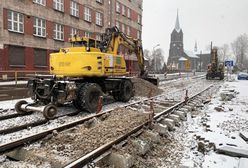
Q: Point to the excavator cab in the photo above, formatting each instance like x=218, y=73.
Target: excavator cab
x=84, y=42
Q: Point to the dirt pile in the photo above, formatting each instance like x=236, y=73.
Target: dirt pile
x=143, y=88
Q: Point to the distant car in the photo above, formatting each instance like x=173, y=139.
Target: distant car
x=243, y=76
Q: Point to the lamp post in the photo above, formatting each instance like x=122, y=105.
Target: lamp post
x=155, y=62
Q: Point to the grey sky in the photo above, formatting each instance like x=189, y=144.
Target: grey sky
x=220, y=21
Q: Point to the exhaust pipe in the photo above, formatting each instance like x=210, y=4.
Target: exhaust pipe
x=49, y=111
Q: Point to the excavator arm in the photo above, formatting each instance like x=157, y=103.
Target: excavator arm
x=113, y=39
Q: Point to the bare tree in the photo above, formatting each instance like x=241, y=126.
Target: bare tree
x=147, y=54
x=240, y=50
x=155, y=59
x=222, y=52
x=208, y=47
x=158, y=59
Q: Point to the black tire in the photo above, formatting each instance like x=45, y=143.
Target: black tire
x=76, y=104
x=50, y=111
x=222, y=76
x=126, y=91
x=88, y=96
x=18, y=106
x=116, y=96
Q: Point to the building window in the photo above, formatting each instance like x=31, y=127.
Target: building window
x=117, y=24
x=87, y=14
x=139, y=19
x=41, y=2
x=128, y=12
x=74, y=9
x=74, y=31
x=39, y=27
x=40, y=58
x=87, y=34
x=118, y=7
x=99, y=1
x=58, y=5
x=15, y=22
x=59, y=32
x=123, y=10
x=99, y=17
x=16, y=56
x=123, y=28
x=128, y=31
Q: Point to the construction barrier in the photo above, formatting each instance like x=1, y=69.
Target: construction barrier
x=19, y=75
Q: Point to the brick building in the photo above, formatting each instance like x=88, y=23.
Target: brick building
x=32, y=29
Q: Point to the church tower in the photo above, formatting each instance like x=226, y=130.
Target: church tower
x=176, y=44
x=196, y=48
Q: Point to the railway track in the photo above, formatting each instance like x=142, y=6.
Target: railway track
x=9, y=116
x=84, y=160
x=21, y=126
x=31, y=138
x=92, y=157
x=32, y=124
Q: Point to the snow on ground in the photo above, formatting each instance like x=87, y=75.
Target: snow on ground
x=218, y=125
x=174, y=90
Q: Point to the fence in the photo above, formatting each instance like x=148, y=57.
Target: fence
x=18, y=75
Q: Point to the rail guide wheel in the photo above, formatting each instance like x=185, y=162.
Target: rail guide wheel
x=50, y=111
x=18, y=108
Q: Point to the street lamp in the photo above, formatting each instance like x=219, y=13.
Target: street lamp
x=155, y=62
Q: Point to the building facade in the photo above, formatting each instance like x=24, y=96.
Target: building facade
x=180, y=59
x=32, y=29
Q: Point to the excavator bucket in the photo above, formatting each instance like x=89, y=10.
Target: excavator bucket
x=153, y=80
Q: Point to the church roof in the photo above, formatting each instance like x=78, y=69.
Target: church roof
x=177, y=26
x=182, y=59
x=190, y=54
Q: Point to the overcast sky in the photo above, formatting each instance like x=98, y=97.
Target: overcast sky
x=220, y=21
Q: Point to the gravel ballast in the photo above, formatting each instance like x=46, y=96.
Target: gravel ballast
x=69, y=145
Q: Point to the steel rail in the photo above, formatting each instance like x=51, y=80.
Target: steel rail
x=8, y=146
x=32, y=124
x=32, y=138
x=83, y=161
x=5, y=117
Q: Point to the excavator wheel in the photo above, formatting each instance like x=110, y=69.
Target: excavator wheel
x=76, y=104
x=126, y=91
x=88, y=96
x=50, y=111
x=18, y=107
x=221, y=76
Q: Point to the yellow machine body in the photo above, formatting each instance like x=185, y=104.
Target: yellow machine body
x=84, y=59
x=77, y=62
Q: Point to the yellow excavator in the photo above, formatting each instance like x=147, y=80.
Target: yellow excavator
x=85, y=71
x=215, y=69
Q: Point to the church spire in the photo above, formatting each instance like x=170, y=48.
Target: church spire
x=195, y=49
x=177, y=26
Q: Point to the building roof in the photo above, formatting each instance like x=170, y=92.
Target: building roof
x=190, y=54
x=182, y=59
x=177, y=26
